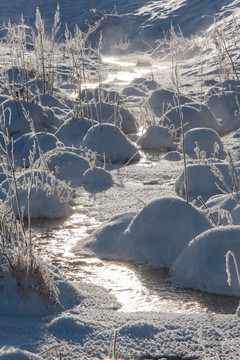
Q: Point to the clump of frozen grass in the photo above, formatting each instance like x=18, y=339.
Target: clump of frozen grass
x=20, y=261
x=18, y=257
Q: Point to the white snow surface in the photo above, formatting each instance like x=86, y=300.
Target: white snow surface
x=143, y=218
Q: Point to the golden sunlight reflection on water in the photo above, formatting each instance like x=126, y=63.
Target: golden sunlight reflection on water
x=121, y=71
x=136, y=287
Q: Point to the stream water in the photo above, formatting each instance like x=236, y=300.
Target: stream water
x=136, y=286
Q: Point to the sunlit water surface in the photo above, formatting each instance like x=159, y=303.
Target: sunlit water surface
x=137, y=287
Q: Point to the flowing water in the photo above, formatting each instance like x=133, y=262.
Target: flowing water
x=136, y=286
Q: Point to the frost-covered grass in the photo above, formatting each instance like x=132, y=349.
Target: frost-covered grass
x=63, y=136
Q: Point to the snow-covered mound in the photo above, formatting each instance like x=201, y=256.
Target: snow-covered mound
x=225, y=106
x=97, y=178
x=194, y=116
x=173, y=156
x=202, y=264
x=160, y=231
x=48, y=196
x=112, y=113
x=73, y=130
x=162, y=100
x=157, y=137
x=225, y=208
x=34, y=145
x=156, y=235
x=109, y=141
x=14, y=303
x=204, y=143
x=16, y=117
x=67, y=166
x=204, y=180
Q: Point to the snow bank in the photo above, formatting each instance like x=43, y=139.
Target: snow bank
x=202, y=264
x=112, y=142
x=11, y=353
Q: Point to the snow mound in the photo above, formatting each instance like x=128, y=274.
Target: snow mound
x=139, y=330
x=30, y=143
x=111, y=113
x=173, y=156
x=160, y=101
x=67, y=166
x=16, y=120
x=202, y=264
x=49, y=197
x=204, y=143
x=73, y=131
x=112, y=142
x=98, y=178
x=224, y=208
x=156, y=235
x=194, y=116
x=203, y=181
x=108, y=240
x=157, y=137
x=14, y=303
x=160, y=231
x=70, y=328
x=224, y=106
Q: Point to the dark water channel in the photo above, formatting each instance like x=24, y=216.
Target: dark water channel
x=137, y=287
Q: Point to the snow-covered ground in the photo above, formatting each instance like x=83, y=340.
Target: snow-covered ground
x=99, y=129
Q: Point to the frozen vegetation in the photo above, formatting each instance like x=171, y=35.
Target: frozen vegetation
x=130, y=113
